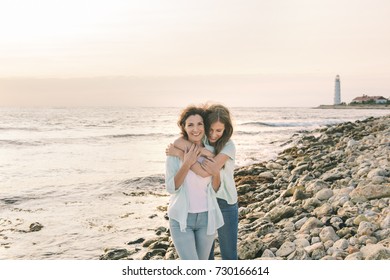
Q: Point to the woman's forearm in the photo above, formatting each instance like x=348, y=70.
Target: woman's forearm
x=198, y=170
x=219, y=160
x=181, y=175
x=183, y=144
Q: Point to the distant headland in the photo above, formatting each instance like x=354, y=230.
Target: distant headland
x=361, y=102
x=355, y=106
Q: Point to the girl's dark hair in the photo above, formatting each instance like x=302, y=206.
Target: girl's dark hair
x=187, y=112
x=219, y=113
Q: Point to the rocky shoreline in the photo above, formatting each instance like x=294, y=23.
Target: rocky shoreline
x=325, y=198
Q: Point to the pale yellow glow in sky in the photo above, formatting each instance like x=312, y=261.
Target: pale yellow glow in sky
x=232, y=51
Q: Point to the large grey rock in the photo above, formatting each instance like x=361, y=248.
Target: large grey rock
x=301, y=242
x=324, y=210
x=354, y=256
x=370, y=191
x=316, y=246
x=280, y=212
x=324, y=194
x=310, y=224
x=299, y=254
x=375, y=252
x=328, y=233
x=385, y=222
x=115, y=254
x=378, y=172
x=286, y=249
x=317, y=185
x=366, y=228
x=36, y=227
x=268, y=254
x=152, y=254
x=341, y=244
x=249, y=248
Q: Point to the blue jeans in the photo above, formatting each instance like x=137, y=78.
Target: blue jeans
x=228, y=233
x=194, y=243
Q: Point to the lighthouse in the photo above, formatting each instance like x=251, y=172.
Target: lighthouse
x=337, y=96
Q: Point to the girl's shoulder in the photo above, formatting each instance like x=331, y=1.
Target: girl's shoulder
x=230, y=143
x=229, y=149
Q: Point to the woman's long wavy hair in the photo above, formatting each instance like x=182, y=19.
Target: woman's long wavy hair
x=218, y=112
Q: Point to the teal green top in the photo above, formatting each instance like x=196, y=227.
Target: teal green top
x=227, y=190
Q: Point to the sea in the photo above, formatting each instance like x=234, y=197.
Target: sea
x=76, y=182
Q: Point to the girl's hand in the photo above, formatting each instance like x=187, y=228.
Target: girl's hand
x=211, y=166
x=168, y=150
x=172, y=151
x=207, y=153
x=191, y=155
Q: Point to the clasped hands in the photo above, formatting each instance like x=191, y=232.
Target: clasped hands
x=190, y=157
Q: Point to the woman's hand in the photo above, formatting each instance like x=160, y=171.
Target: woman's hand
x=191, y=155
x=211, y=166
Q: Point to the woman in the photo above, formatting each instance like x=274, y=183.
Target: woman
x=194, y=215
x=219, y=131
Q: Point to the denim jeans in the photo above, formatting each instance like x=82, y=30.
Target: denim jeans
x=227, y=234
x=194, y=243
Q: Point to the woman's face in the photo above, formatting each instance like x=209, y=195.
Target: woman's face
x=194, y=127
x=216, y=131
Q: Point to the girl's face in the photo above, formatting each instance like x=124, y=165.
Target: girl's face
x=216, y=131
x=194, y=127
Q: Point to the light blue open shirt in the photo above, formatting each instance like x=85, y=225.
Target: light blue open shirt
x=179, y=202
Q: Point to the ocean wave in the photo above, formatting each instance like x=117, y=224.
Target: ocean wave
x=292, y=124
x=257, y=124
x=267, y=132
x=130, y=135
x=20, y=143
x=80, y=140
x=20, y=128
x=148, y=181
x=15, y=200
x=247, y=132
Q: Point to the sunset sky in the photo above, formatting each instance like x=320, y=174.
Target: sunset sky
x=175, y=52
